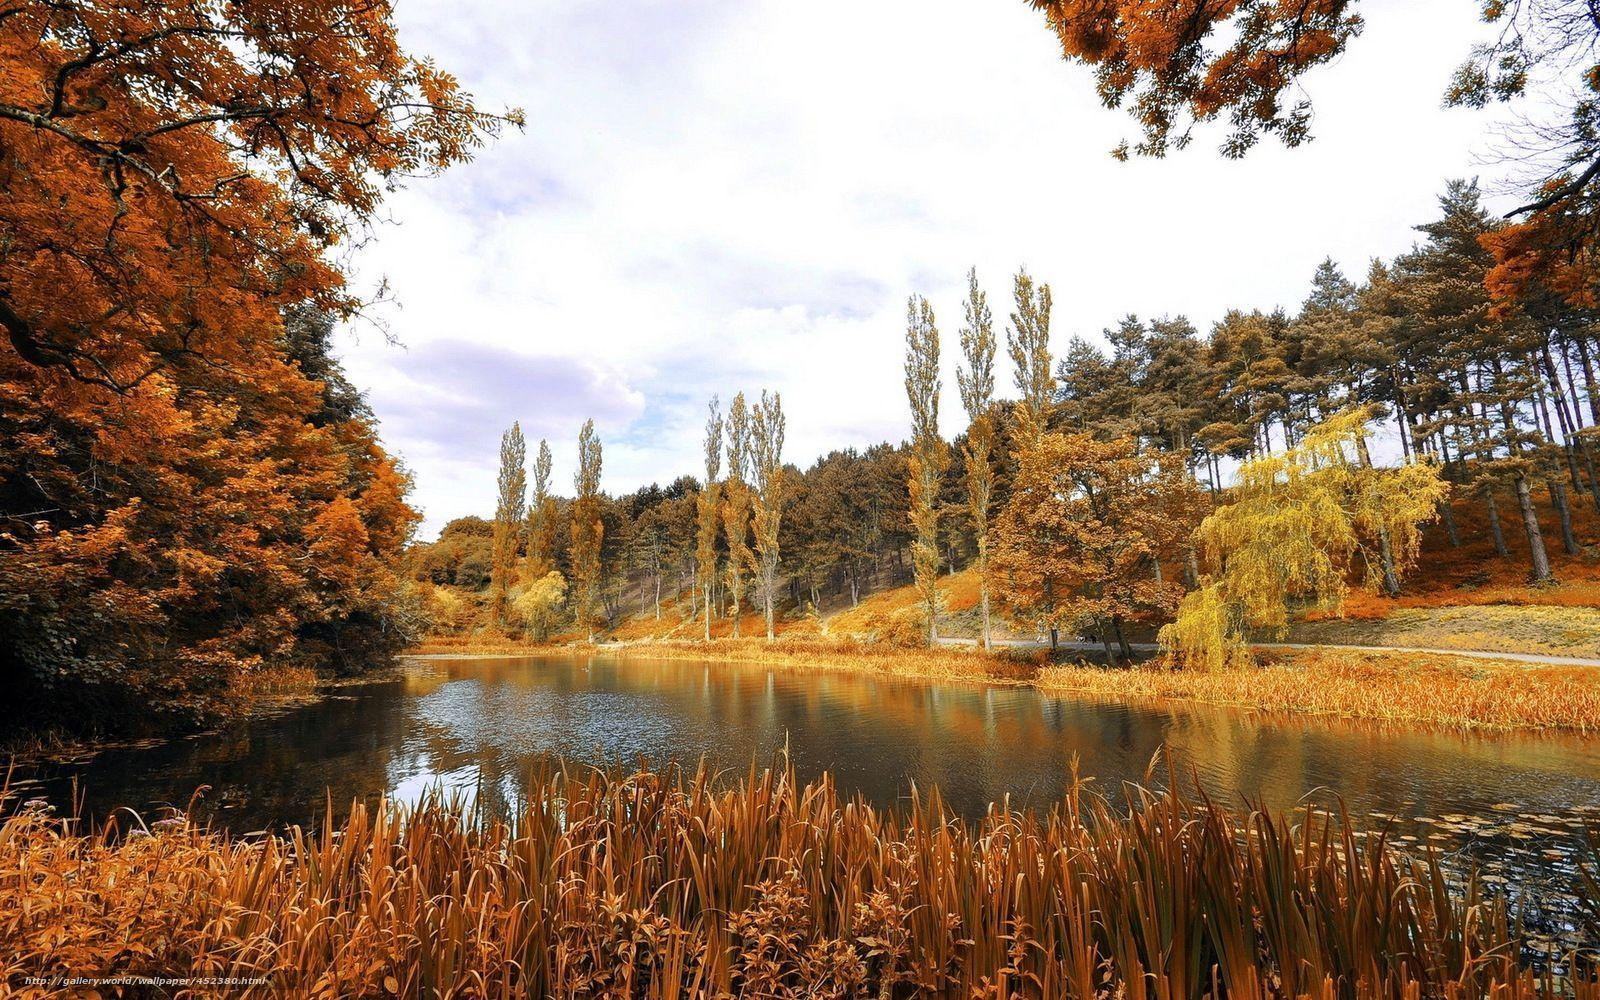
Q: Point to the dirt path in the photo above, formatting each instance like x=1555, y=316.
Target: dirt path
x=1146, y=647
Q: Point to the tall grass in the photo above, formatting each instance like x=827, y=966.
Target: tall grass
x=670, y=884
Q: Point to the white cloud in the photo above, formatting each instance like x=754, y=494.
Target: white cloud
x=715, y=196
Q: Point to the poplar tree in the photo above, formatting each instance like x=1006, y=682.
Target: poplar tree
x=541, y=517
x=736, y=505
x=706, y=537
x=766, y=437
x=508, y=512
x=588, y=531
x=928, y=455
x=976, y=382
x=1028, y=343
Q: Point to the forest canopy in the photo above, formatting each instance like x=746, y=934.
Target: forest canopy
x=189, y=488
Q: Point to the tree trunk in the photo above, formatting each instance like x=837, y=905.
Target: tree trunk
x=1391, y=580
x=1589, y=387
x=1105, y=643
x=1558, y=500
x=1495, y=530
x=1122, y=640
x=1539, y=559
x=1050, y=606
x=708, y=611
x=1448, y=516
x=983, y=588
x=768, y=579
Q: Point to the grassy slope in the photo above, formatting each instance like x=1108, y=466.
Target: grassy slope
x=1469, y=598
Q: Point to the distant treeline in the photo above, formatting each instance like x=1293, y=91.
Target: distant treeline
x=1502, y=396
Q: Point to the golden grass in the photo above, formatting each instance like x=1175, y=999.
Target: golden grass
x=667, y=885
x=1505, y=628
x=1432, y=689
x=276, y=680
x=1424, y=688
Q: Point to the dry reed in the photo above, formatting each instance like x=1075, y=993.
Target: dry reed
x=675, y=885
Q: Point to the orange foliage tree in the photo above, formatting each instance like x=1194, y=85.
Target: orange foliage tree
x=189, y=488
x=1079, y=545
x=1189, y=62
x=1155, y=58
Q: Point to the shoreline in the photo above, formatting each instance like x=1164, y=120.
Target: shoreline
x=1423, y=688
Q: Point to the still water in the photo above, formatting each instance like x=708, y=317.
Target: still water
x=1511, y=804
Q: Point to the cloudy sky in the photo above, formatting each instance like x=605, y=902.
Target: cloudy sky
x=740, y=194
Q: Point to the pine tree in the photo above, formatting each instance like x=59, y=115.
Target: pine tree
x=508, y=513
x=976, y=382
x=1477, y=363
x=928, y=454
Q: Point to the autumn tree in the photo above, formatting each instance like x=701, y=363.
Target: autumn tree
x=706, y=538
x=1175, y=67
x=766, y=441
x=588, y=532
x=1079, y=544
x=508, y=514
x=542, y=514
x=976, y=382
x=206, y=158
x=1300, y=523
x=928, y=454
x=1028, y=344
x=736, y=506
x=1156, y=60
x=539, y=603
x=182, y=457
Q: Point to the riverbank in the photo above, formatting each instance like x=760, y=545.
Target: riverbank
x=1421, y=688
x=268, y=692
x=768, y=888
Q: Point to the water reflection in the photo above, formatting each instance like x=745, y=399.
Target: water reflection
x=477, y=725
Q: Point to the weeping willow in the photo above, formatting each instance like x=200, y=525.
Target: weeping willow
x=1303, y=523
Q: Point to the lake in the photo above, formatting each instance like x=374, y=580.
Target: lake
x=1513, y=804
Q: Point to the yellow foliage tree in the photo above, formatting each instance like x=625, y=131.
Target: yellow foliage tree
x=1301, y=523
x=537, y=605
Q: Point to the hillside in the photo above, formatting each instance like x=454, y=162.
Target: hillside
x=1456, y=597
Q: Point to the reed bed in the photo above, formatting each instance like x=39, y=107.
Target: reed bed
x=673, y=884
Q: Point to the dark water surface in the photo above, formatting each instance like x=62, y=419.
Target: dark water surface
x=1513, y=804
